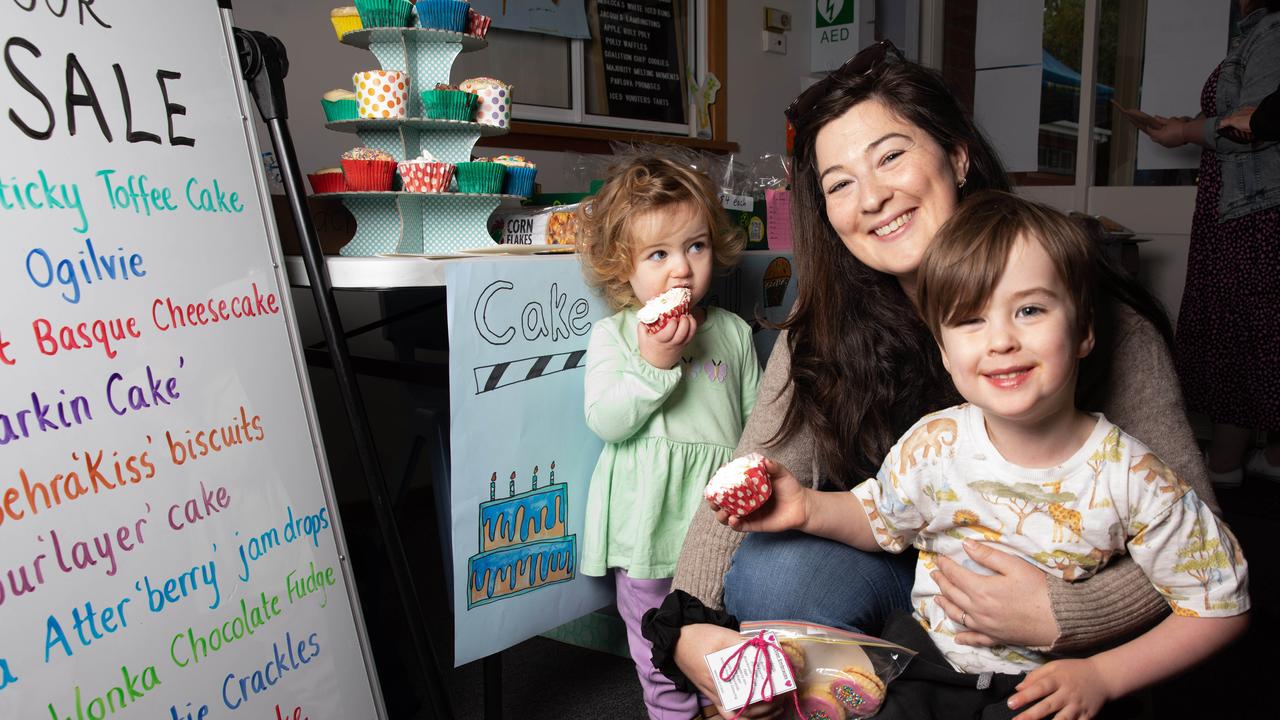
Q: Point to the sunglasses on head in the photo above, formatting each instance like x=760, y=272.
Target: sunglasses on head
x=866, y=60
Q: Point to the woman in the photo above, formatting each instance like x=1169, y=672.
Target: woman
x=883, y=153
x=1227, y=328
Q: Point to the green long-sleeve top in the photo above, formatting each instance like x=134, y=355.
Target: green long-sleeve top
x=665, y=431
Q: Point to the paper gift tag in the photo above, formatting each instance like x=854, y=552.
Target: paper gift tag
x=735, y=691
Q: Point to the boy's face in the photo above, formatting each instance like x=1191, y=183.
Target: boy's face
x=1016, y=359
x=671, y=248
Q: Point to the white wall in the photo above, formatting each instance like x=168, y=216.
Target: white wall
x=762, y=84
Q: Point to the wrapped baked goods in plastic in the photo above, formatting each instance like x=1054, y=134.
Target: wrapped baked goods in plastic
x=831, y=674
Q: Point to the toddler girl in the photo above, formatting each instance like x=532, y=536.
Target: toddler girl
x=669, y=404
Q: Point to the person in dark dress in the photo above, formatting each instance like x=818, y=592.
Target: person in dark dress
x=1228, y=329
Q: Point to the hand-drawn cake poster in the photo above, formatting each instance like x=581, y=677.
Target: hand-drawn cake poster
x=522, y=455
x=167, y=541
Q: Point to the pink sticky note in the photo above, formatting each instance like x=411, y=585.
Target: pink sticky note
x=778, y=204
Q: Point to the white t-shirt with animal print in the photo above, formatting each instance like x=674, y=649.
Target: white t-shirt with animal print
x=944, y=482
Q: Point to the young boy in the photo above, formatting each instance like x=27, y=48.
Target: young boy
x=1007, y=289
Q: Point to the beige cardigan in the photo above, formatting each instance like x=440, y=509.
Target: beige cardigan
x=1097, y=612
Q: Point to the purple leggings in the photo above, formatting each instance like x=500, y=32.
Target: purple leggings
x=661, y=698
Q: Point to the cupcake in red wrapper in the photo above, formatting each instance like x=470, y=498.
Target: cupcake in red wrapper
x=425, y=174
x=328, y=180
x=741, y=486
x=477, y=24
x=664, y=308
x=367, y=169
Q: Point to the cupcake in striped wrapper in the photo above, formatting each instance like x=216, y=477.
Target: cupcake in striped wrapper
x=367, y=169
x=520, y=174
x=425, y=174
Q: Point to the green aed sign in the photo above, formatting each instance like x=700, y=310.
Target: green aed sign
x=833, y=12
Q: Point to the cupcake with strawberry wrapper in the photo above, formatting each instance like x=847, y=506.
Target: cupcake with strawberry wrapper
x=520, y=174
x=425, y=174
x=367, y=169
x=741, y=486
x=664, y=308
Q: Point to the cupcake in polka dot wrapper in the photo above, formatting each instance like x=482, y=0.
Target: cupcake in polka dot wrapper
x=382, y=93
x=741, y=486
x=425, y=174
x=385, y=13
x=495, y=100
x=478, y=24
x=367, y=169
x=481, y=175
x=519, y=176
x=448, y=15
x=664, y=308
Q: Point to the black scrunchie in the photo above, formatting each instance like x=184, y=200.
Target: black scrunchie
x=661, y=627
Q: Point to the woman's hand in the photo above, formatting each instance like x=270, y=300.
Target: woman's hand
x=698, y=641
x=1237, y=124
x=1167, y=131
x=786, y=509
x=662, y=349
x=1009, y=607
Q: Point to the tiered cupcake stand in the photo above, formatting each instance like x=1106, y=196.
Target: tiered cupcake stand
x=414, y=222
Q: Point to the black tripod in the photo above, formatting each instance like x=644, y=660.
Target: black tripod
x=264, y=64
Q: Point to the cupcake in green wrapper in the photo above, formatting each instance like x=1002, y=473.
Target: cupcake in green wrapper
x=480, y=176
x=385, y=13
x=447, y=102
x=340, y=105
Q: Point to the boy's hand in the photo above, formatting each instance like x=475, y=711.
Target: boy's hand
x=662, y=349
x=786, y=509
x=1071, y=690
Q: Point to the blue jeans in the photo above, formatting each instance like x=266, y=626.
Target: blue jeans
x=794, y=576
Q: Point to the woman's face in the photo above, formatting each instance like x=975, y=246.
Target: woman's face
x=888, y=187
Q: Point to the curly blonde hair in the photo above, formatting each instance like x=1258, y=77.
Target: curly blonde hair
x=633, y=188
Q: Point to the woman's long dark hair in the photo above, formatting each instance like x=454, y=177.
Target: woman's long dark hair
x=863, y=364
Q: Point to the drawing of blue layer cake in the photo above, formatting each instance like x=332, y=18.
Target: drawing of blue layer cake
x=523, y=545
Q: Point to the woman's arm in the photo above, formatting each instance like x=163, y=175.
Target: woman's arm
x=1260, y=75
x=708, y=545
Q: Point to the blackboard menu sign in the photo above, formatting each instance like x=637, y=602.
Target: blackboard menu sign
x=639, y=43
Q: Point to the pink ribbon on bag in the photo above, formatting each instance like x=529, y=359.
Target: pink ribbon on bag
x=761, y=646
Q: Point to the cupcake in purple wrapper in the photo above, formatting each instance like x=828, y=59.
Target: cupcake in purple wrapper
x=519, y=176
x=448, y=15
x=481, y=175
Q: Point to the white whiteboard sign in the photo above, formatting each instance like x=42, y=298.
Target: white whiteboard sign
x=168, y=548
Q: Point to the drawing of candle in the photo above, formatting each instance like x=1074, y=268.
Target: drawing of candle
x=493, y=481
x=535, y=477
x=511, y=489
x=552, y=481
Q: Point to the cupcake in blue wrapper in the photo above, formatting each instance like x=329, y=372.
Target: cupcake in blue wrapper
x=340, y=105
x=520, y=174
x=443, y=14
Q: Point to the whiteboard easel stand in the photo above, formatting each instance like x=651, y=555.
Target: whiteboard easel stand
x=264, y=64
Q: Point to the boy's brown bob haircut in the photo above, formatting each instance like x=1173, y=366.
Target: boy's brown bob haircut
x=962, y=266
x=635, y=187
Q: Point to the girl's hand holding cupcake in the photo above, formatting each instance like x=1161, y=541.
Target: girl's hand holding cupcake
x=662, y=349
